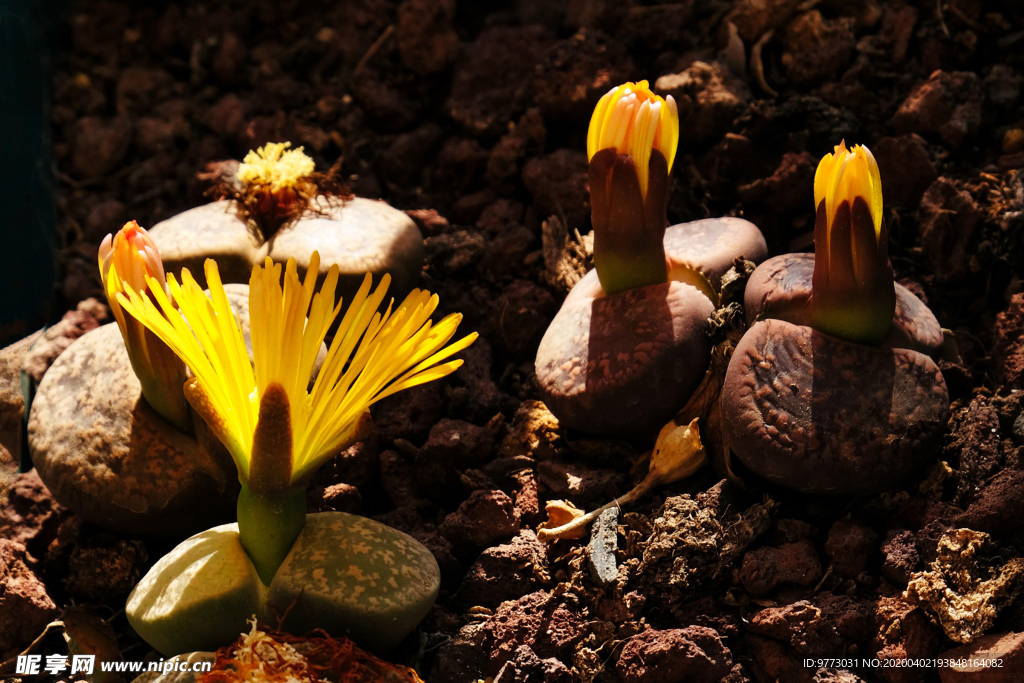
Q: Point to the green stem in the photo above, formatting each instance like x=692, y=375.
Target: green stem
x=620, y=270
x=268, y=524
x=161, y=374
x=168, y=400
x=629, y=228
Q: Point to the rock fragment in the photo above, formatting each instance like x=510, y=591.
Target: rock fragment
x=505, y=572
x=948, y=104
x=694, y=654
x=965, y=588
x=601, y=550
x=484, y=518
x=995, y=658
x=25, y=607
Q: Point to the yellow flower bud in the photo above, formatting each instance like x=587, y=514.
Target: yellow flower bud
x=631, y=146
x=130, y=261
x=634, y=121
x=853, y=292
x=134, y=256
x=846, y=175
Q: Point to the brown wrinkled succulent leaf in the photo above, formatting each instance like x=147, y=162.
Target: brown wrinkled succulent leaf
x=781, y=288
x=814, y=413
x=623, y=364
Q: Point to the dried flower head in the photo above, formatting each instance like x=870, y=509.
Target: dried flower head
x=273, y=185
x=275, y=167
x=266, y=656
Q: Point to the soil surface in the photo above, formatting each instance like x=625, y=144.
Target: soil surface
x=474, y=121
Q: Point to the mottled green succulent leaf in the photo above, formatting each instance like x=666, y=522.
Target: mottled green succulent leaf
x=357, y=578
x=345, y=574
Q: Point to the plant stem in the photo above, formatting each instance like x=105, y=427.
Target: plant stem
x=161, y=374
x=168, y=401
x=629, y=228
x=561, y=531
x=268, y=524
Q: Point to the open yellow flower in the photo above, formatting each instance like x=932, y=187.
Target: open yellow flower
x=372, y=356
x=130, y=260
x=631, y=146
x=276, y=428
x=854, y=297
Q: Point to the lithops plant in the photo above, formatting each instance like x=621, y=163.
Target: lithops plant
x=349, y=575
x=832, y=389
x=110, y=432
x=630, y=344
x=275, y=204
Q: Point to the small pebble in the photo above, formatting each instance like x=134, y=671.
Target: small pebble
x=603, y=541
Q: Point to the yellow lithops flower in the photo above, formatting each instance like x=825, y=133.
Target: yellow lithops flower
x=853, y=293
x=277, y=429
x=846, y=175
x=631, y=146
x=130, y=261
x=634, y=121
x=372, y=356
x=275, y=166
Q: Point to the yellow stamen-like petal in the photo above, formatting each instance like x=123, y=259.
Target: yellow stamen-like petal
x=373, y=355
x=668, y=131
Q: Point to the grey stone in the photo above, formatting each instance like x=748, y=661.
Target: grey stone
x=601, y=551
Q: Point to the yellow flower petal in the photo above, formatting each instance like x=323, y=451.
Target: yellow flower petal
x=846, y=175
x=633, y=120
x=373, y=354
